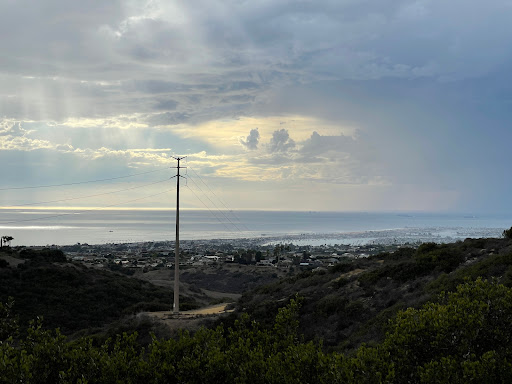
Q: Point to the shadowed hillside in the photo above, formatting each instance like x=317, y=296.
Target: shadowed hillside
x=71, y=296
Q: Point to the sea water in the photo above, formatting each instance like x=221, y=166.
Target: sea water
x=60, y=227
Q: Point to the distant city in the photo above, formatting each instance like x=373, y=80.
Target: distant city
x=157, y=255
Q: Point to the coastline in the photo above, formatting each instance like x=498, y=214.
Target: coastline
x=39, y=228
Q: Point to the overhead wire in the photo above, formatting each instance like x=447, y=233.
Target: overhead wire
x=233, y=224
x=81, y=182
x=80, y=211
x=206, y=206
x=88, y=196
x=219, y=220
x=87, y=210
x=218, y=198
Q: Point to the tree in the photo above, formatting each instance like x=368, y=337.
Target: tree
x=5, y=240
x=507, y=233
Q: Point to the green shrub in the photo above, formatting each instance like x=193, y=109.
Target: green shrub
x=342, y=268
x=45, y=254
x=464, y=338
x=438, y=257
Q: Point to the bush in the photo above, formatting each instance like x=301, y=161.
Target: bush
x=45, y=254
x=342, y=268
x=441, y=257
x=464, y=338
x=245, y=353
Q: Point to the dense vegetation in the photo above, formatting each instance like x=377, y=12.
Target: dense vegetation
x=438, y=313
x=352, y=302
x=466, y=336
x=73, y=297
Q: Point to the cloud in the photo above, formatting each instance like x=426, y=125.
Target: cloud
x=280, y=141
x=166, y=118
x=251, y=142
x=13, y=129
x=134, y=157
x=13, y=137
x=225, y=59
x=318, y=144
x=166, y=105
x=226, y=133
x=337, y=91
x=65, y=148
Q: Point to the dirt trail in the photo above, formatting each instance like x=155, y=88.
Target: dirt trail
x=210, y=310
x=213, y=309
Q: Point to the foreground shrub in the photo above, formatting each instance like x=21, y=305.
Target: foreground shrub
x=465, y=337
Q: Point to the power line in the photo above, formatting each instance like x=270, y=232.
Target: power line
x=233, y=224
x=95, y=195
x=81, y=182
x=220, y=221
x=87, y=210
x=218, y=198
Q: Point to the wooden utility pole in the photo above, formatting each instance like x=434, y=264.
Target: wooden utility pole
x=176, y=304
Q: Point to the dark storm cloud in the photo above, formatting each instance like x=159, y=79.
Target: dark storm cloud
x=230, y=53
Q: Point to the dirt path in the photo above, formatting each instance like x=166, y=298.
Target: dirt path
x=210, y=310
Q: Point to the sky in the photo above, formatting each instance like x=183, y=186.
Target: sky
x=341, y=105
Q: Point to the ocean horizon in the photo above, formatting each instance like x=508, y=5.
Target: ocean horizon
x=39, y=227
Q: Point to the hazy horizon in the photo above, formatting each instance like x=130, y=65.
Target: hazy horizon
x=206, y=209
x=40, y=227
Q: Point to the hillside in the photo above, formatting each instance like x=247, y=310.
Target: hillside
x=456, y=328
x=352, y=302
x=73, y=297
x=343, y=306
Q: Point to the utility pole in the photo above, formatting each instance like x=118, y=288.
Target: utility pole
x=176, y=304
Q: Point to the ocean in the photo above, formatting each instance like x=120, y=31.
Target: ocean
x=62, y=227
